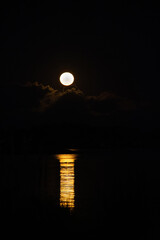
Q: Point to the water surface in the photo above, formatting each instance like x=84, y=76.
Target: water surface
x=112, y=192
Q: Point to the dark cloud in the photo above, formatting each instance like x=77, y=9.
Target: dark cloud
x=21, y=103
x=47, y=95
x=21, y=97
x=107, y=103
x=61, y=100
x=18, y=103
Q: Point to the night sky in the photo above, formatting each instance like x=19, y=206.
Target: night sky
x=111, y=48
x=108, y=46
x=105, y=127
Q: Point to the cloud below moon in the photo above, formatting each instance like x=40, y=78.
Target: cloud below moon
x=21, y=102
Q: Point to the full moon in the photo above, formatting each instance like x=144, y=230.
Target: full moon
x=66, y=78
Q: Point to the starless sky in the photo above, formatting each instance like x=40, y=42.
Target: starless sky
x=108, y=46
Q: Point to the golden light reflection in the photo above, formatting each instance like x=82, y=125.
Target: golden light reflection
x=67, y=179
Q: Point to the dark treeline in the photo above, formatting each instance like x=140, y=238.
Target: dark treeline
x=52, y=139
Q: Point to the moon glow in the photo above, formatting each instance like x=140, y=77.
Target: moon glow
x=66, y=78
